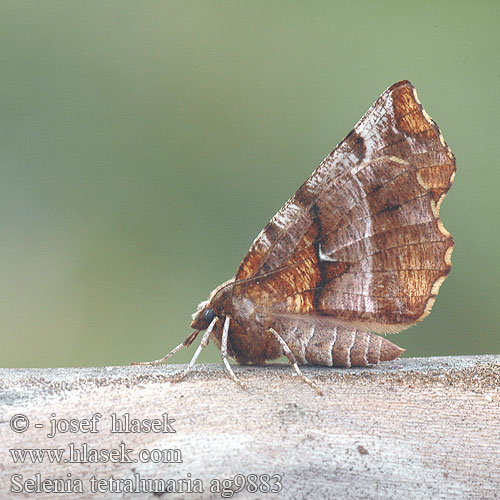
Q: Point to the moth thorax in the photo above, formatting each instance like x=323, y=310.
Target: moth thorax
x=243, y=309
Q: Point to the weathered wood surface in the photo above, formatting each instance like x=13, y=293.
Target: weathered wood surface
x=411, y=428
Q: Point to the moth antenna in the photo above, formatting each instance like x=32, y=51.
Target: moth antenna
x=203, y=343
x=223, y=351
x=189, y=340
x=289, y=354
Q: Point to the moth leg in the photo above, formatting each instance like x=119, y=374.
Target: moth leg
x=203, y=343
x=289, y=354
x=186, y=343
x=223, y=351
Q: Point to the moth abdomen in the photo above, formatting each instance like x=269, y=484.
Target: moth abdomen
x=345, y=347
x=369, y=349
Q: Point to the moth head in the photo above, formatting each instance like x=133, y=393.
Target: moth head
x=205, y=313
x=203, y=316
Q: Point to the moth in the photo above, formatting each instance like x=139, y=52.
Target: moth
x=359, y=250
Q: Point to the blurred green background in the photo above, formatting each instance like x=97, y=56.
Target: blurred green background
x=145, y=144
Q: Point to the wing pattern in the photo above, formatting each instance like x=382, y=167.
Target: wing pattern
x=361, y=241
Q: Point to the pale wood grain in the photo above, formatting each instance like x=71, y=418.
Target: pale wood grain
x=411, y=428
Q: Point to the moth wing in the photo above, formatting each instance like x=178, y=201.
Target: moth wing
x=361, y=240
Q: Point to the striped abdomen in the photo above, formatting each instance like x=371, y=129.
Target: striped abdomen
x=318, y=344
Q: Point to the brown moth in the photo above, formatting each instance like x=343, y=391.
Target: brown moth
x=358, y=250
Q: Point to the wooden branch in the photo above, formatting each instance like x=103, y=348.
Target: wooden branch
x=411, y=428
